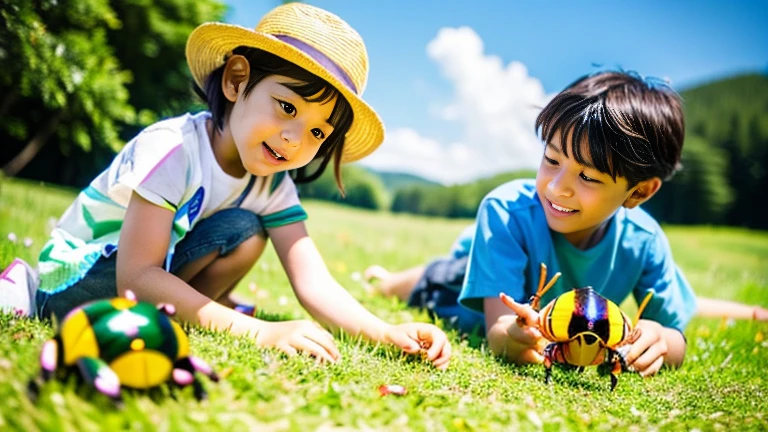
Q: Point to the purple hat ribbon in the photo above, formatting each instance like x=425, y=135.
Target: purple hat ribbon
x=321, y=58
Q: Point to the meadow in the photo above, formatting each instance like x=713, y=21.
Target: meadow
x=722, y=384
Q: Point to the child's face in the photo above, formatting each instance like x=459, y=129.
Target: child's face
x=275, y=129
x=576, y=198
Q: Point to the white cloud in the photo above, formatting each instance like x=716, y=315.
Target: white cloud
x=495, y=105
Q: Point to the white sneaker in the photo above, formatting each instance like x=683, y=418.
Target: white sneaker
x=18, y=286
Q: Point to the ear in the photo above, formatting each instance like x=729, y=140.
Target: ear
x=236, y=72
x=642, y=192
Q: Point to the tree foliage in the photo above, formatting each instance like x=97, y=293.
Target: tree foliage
x=87, y=74
x=60, y=76
x=456, y=201
x=725, y=157
x=363, y=188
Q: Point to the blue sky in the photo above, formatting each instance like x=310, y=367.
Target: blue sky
x=456, y=83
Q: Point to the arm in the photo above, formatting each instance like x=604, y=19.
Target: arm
x=329, y=303
x=708, y=307
x=144, y=240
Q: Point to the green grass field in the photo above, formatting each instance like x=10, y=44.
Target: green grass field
x=722, y=384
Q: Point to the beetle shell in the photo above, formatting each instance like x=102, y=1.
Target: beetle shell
x=584, y=315
x=138, y=342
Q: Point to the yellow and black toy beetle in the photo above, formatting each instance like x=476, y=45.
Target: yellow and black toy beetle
x=122, y=342
x=584, y=328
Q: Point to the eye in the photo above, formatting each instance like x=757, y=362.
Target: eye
x=287, y=107
x=550, y=160
x=588, y=179
x=318, y=133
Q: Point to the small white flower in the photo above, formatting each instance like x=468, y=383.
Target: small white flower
x=27, y=242
x=12, y=237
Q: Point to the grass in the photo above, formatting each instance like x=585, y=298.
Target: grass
x=722, y=384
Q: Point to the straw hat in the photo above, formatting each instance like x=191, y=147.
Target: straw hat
x=310, y=37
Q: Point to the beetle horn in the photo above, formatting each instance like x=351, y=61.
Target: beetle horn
x=642, y=307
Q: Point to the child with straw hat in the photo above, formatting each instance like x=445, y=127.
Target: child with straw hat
x=186, y=208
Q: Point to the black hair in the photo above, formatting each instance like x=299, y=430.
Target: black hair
x=310, y=87
x=634, y=127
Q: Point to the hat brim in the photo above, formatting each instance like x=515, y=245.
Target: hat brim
x=210, y=43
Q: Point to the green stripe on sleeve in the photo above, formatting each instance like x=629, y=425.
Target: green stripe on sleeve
x=277, y=178
x=284, y=217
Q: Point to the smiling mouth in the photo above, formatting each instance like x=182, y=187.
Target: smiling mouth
x=561, y=208
x=277, y=155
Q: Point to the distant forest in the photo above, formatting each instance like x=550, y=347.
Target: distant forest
x=81, y=77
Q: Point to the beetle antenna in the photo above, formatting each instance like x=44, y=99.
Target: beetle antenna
x=550, y=284
x=542, y=278
x=642, y=307
x=543, y=288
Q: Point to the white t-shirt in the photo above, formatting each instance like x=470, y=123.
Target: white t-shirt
x=170, y=164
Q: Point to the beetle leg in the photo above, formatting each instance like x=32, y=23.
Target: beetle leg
x=49, y=359
x=167, y=309
x=615, y=374
x=97, y=373
x=550, y=356
x=547, y=370
x=49, y=362
x=184, y=374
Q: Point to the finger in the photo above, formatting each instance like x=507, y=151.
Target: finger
x=530, y=356
x=524, y=335
x=444, y=359
x=650, y=356
x=525, y=312
x=286, y=348
x=325, y=340
x=637, y=349
x=435, y=338
x=406, y=342
x=653, y=368
x=311, y=347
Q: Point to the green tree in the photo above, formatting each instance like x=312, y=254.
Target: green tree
x=363, y=188
x=59, y=76
x=150, y=44
x=700, y=193
x=89, y=74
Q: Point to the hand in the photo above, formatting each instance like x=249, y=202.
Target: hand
x=760, y=314
x=648, y=352
x=524, y=344
x=299, y=336
x=518, y=335
x=416, y=337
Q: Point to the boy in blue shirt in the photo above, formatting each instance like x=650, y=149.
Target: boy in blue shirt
x=611, y=139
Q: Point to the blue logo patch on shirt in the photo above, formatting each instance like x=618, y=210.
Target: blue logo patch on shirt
x=191, y=209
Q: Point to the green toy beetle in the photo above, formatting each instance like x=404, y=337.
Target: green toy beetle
x=122, y=342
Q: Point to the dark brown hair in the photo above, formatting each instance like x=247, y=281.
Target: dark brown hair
x=634, y=127
x=310, y=87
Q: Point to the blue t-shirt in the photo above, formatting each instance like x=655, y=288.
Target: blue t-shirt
x=512, y=239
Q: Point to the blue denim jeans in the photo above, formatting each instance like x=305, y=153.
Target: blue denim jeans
x=438, y=292
x=223, y=231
